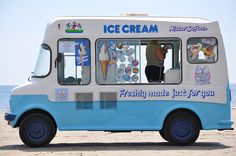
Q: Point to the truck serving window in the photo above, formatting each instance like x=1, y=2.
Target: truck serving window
x=73, y=61
x=125, y=61
x=202, y=50
x=43, y=64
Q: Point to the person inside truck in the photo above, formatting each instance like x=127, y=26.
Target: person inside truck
x=155, y=56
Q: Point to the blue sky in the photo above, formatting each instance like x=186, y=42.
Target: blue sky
x=22, y=25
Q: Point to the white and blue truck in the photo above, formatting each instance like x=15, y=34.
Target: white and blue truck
x=90, y=75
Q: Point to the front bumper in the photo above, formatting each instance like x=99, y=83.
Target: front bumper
x=9, y=117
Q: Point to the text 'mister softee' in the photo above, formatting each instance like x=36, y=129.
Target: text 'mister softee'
x=152, y=28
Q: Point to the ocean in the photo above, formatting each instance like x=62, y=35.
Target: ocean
x=5, y=92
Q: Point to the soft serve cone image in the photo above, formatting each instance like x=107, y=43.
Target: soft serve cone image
x=104, y=60
x=82, y=53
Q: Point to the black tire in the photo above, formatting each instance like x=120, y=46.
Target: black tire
x=162, y=134
x=181, y=128
x=37, y=130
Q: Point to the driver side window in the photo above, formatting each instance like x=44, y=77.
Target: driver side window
x=73, y=61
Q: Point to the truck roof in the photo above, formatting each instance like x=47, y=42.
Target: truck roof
x=137, y=18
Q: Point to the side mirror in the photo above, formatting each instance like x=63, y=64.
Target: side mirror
x=29, y=78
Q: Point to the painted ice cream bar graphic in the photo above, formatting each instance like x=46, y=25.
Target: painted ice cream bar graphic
x=74, y=27
x=104, y=59
x=82, y=53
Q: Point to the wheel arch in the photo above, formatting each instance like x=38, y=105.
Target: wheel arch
x=32, y=111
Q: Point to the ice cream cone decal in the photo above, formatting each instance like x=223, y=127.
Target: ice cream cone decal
x=104, y=68
x=82, y=53
x=104, y=60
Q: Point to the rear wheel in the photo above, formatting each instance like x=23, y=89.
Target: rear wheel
x=181, y=128
x=37, y=130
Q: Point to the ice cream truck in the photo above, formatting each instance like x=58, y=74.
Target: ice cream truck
x=90, y=76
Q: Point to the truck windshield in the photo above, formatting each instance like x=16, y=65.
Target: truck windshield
x=42, y=67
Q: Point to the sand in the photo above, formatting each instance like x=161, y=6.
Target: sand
x=209, y=143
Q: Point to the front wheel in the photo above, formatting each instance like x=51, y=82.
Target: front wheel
x=37, y=130
x=181, y=128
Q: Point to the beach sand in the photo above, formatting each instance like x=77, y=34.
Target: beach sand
x=209, y=143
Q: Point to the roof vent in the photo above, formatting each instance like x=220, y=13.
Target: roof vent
x=140, y=15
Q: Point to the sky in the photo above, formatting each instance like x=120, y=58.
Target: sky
x=23, y=22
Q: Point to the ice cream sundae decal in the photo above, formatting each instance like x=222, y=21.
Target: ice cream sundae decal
x=202, y=50
x=74, y=28
x=202, y=75
x=104, y=59
x=82, y=53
